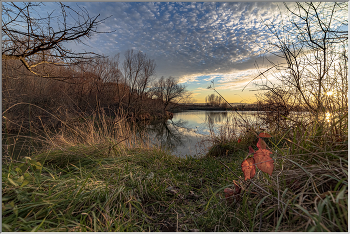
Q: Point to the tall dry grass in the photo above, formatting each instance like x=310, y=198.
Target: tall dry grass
x=308, y=189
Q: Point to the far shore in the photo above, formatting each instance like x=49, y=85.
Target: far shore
x=233, y=107
x=241, y=107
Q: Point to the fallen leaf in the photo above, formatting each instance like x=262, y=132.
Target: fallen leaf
x=261, y=144
x=263, y=134
x=12, y=182
x=25, y=182
x=239, y=140
x=229, y=193
x=263, y=160
x=248, y=168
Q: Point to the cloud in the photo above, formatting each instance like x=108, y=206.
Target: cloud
x=200, y=89
x=195, y=94
x=209, y=32
x=191, y=41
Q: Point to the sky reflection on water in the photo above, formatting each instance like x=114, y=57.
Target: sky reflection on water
x=188, y=133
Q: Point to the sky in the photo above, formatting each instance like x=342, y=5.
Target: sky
x=196, y=42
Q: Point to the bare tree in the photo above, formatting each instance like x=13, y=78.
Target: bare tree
x=313, y=48
x=214, y=100
x=138, y=71
x=168, y=90
x=103, y=78
x=38, y=40
x=188, y=98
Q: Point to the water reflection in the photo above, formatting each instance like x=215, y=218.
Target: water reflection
x=188, y=132
x=176, y=137
x=165, y=135
x=215, y=116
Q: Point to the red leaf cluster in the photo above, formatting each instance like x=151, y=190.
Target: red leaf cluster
x=261, y=159
x=261, y=144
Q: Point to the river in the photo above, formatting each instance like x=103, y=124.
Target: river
x=189, y=133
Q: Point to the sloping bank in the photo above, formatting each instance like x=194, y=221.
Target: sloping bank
x=108, y=187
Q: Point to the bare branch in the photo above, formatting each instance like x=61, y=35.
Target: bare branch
x=26, y=35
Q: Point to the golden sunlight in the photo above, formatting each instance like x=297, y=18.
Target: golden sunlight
x=328, y=116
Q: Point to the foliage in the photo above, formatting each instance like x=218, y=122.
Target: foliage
x=261, y=159
x=293, y=171
x=89, y=188
x=96, y=174
x=32, y=102
x=80, y=176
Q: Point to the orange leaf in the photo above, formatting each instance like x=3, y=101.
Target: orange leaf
x=261, y=144
x=248, y=168
x=264, y=135
x=228, y=192
x=263, y=160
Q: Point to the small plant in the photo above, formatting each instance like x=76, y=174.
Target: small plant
x=261, y=159
x=22, y=177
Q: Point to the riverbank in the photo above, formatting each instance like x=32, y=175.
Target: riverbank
x=184, y=107
x=105, y=186
x=180, y=108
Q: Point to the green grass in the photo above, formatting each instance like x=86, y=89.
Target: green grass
x=89, y=188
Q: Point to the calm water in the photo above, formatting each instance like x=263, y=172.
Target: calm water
x=188, y=133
